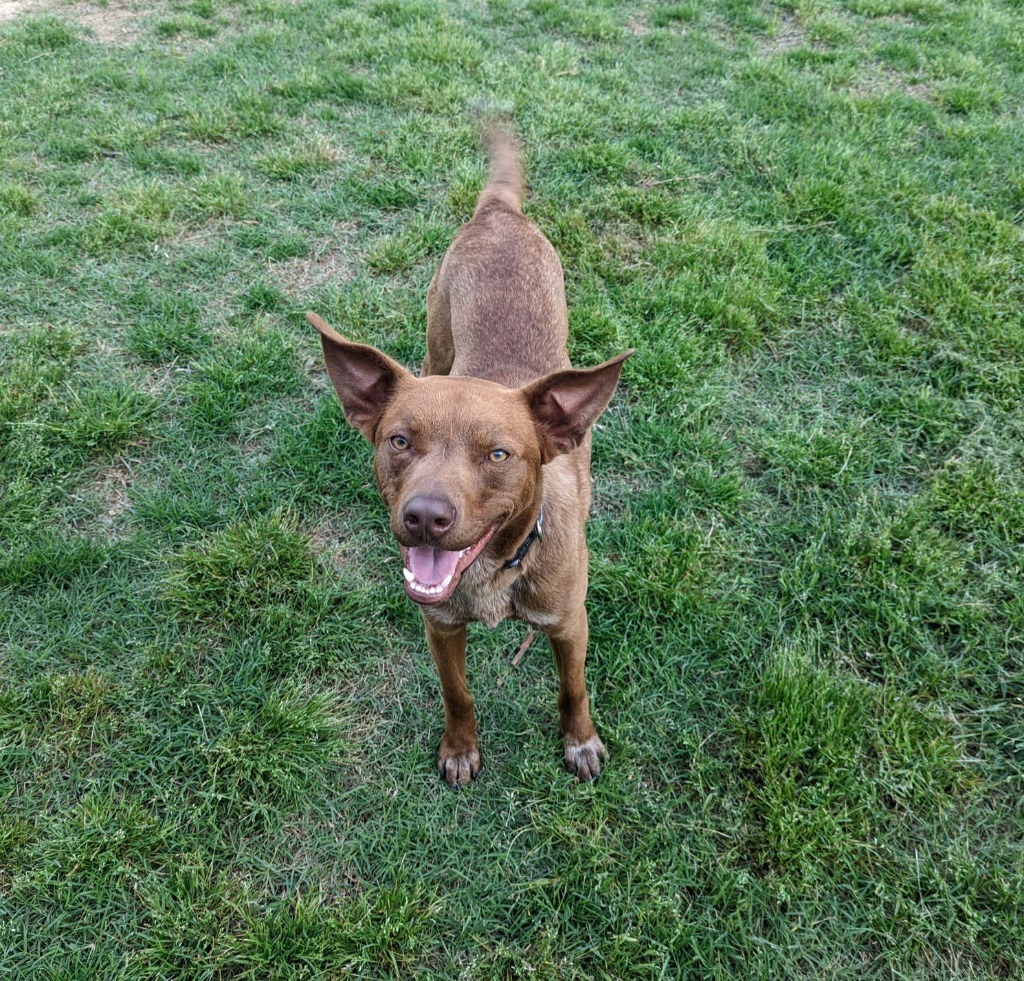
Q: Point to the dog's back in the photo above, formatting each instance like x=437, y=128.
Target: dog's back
x=496, y=305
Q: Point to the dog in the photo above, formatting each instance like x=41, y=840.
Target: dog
x=484, y=460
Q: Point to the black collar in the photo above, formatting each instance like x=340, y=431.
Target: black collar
x=513, y=563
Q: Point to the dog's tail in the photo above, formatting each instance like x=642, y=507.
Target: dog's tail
x=506, y=184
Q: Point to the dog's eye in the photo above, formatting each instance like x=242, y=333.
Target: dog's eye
x=398, y=442
x=498, y=456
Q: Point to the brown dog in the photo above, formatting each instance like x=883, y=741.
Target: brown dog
x=485, y=454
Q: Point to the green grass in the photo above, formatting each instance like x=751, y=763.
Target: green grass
x=218, y=719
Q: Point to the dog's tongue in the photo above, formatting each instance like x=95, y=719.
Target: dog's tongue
x=431, y=565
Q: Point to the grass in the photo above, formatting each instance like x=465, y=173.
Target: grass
x=218, y=721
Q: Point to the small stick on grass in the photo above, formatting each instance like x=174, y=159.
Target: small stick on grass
x=522, y=648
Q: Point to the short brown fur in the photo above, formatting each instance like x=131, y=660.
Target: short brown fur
x=496, y=380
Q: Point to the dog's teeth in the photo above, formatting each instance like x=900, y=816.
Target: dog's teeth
x=422, y=588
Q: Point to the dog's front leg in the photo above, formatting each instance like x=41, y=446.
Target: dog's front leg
x=584, y=751
x=458, y=761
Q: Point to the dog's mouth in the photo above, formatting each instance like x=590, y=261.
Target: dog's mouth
x=431, y=574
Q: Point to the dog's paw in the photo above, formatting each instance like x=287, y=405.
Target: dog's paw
x=458, y=766
x=585, y=759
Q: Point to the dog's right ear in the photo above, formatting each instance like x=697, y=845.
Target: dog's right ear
x=364, y=378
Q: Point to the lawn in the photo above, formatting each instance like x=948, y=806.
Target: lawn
x=218, y=718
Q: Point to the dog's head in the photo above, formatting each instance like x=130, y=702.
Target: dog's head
x=457, y=459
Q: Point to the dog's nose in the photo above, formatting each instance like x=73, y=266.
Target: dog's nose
x=428, y=518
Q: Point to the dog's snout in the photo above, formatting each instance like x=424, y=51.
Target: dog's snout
x=428, y=518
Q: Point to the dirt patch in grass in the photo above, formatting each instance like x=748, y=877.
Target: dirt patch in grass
x=295, y=275
x=214, y=230
x=335, y=263
x=788, y=36
x=882, y=80
x=333, y=543
x=108, y=492
x=115, y=22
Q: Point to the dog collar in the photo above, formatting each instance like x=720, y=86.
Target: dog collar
x=514, y=562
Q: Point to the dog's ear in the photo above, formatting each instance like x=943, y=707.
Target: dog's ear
x=364, y=378
x=567, y=403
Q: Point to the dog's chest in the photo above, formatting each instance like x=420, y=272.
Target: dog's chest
x=488, y=595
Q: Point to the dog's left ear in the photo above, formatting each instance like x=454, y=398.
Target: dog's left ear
x=567, y=403
x=364, y=378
